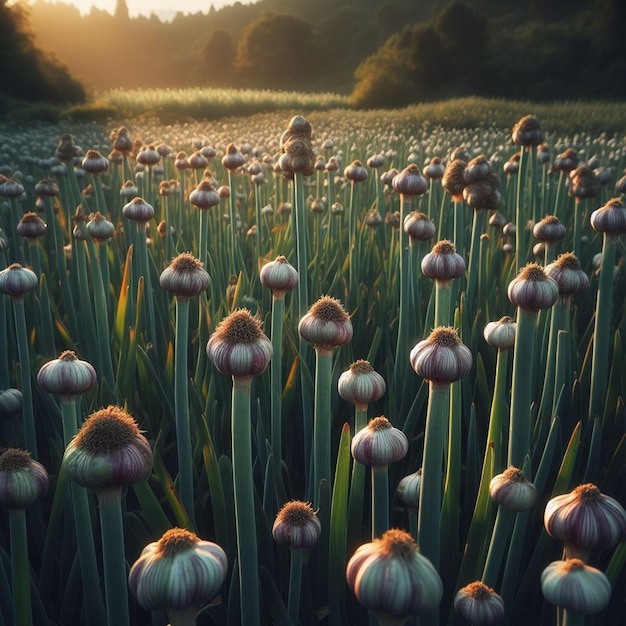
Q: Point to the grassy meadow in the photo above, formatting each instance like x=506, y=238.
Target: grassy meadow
x=405, y=325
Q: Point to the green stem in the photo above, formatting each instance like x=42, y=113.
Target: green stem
x=142, y=246
x=443, y=299
x=521, y=392
x=181, y=404
x=113, y=562
x=602, y=328
x=30, y=437
x=182, y=618
x=22, y=609
x=357, y=485
x=520, y=216
x=478, y=225
x=278, y=312
x=429, y=512
x=497, y=547
x=322, y=419
x=380, y=501
x=247, y=557
x=572, y=619
x=295, y=582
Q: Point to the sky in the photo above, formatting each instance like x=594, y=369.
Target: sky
x=163, y=8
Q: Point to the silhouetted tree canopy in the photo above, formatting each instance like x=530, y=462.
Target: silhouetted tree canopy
x=277, y=51
x=218, y=56
x=27, y=74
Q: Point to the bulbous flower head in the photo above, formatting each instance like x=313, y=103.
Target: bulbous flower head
x=532, y=289
x=16, y=281
x=443, y=263
x=238, y=347
x=22, y=479
x=527, y=132
x=360, y=384
x=479, y=604
x=568, y=274
x=31, y=227
x=67, y=376
x=379, y=444
x=204, y=195
x=512, y=491
x=185, y=277
x=233, y=159
x=178, y=572
x=435, y=169
x=610, y=219
x=410, y=182
x=408, y=489
x=583, y=183
x=47, y=187
x=549, y=229
x=99, y=227
x=576, y=587
x=94, y=162
x=11, y=401
x=501, y=334
x=296, y=526
x=121, y=140
x=327, y=325
x=418, y=227
x=138, y=210
x=279, y=276
x=585, y=520
x=390, y=578
x=108, y=452
x=356, y=172
x=441, y=358
x=453, y=179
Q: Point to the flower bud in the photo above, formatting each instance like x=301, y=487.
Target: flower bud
x=501, y=334
x=566, y=161
x=108, y=452
x=435, y=169
x=585, y=520
x=443, y=263
x=379, y=444
x=360, y=384
x=296, y=526
x=527, y=132
x=31, y=227
x=204, y=195
x=233, y=159
x=148, y=155
x=94, y=163
x=10, y=402
x=453, y=180
x=441, y=358
x=178, y=572
x=279, y=276
x=418, y=227
x=409, y=182
x=479, y=604
x=185, y=277
x=139, y=211
x=532, y=289
x=568, y=274
x=238, y=347
x=356, y=172
x=512, y=491
x=327, y=325
x=22, y=479
x=576, y=587
x=549, y=229
x=16, y=281
x=408, y=489
x=67, y=376
x=583, y=183
x=390, y=577
x=610, y=219
x=99, y=227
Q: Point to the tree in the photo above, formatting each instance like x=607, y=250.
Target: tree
x=277, y=52
x=218, y=55
x=28, y=74
x=464, y=31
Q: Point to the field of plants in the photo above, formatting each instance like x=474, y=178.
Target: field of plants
x=335, y=368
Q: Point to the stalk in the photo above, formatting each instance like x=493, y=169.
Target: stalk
x=497, y=548
x=114, y=564
x=142, y=247
x=357, y=486
x=295, y=583
x=602, y=328
x=520, y=217
x=182, y=618
x=181, y=403
x=30, y=437
x=247, y=557
x=443, y=299
x=429, y=514
x=380, y=501
x=278, y=313
x=322, y=420
x=519, y=426
x=22, y=609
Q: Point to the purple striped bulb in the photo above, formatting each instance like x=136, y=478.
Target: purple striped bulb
x=296, y=526
x=327, y=325
x=479, y=604
x=379, y=444
x=22, y=479
x=360, y=384
x=67, y=376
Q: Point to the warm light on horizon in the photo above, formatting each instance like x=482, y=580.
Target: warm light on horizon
x=163, y=8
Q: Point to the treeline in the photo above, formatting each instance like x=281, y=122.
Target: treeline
x=383, y=54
